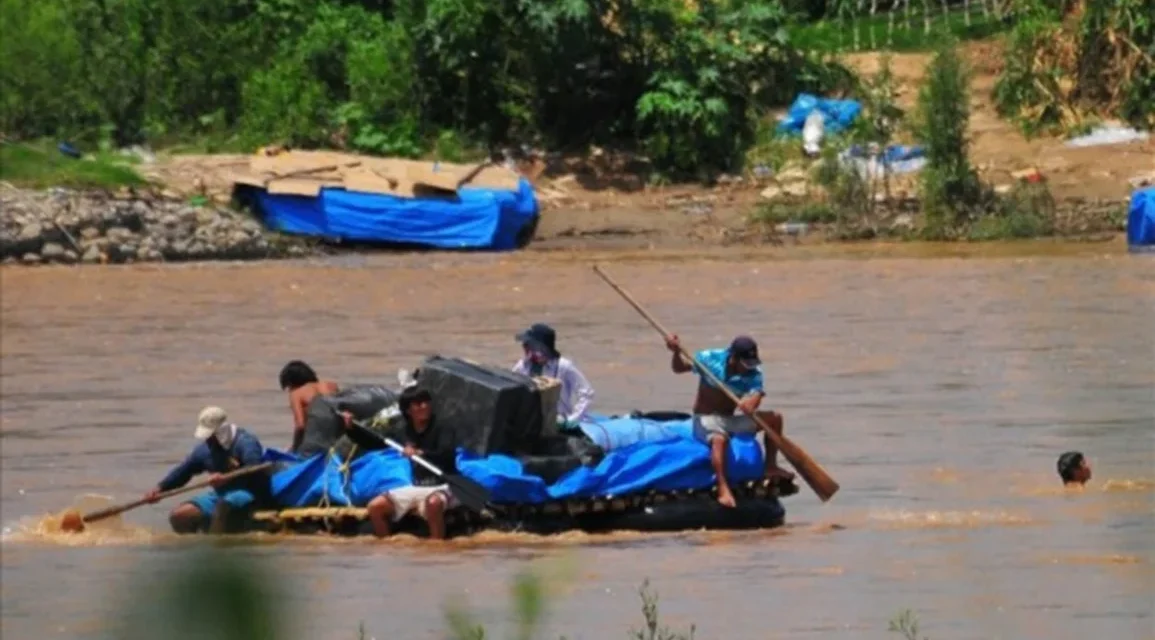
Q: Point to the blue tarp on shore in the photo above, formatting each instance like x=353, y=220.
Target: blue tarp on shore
x=671, y=463
x=838, y=114
x=1141, y=221
x=477, y=218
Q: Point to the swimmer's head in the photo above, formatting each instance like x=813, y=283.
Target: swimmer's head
x=1073, y=468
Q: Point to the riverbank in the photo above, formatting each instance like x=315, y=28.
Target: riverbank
x=64, y=226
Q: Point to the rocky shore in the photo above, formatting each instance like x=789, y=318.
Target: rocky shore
x=67, y=227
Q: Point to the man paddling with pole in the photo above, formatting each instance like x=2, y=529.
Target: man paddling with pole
x=814, y=475
x=714, y=419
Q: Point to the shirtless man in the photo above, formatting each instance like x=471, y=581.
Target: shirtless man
x=714, y=419
x=301, y=382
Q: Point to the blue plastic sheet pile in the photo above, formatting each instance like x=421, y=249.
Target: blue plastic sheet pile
x=1141, y=221
x=672, y=461
x=838, y=114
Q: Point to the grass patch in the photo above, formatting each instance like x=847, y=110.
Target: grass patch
x=877, y=32
x=36, y=167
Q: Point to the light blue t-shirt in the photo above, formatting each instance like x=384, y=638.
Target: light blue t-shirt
x=715, y=361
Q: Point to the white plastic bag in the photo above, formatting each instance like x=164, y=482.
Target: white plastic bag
x=813, y=131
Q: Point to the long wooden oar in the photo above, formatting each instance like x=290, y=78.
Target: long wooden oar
x=73, y=522
x=814, y=475
x=468, y=491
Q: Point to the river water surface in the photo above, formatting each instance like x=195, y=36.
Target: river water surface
x=938, y=392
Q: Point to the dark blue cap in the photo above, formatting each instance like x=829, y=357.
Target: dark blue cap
x=745, y=350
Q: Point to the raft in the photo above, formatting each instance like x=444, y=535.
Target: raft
x=660, y=480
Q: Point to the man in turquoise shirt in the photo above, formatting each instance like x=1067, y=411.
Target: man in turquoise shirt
x=738, y=367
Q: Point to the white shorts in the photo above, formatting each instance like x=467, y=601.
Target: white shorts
x=412, y=499
x=708, y=427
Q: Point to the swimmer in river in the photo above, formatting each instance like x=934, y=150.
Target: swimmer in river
x=299, y=379
x=739, y=368
x=1074, y=470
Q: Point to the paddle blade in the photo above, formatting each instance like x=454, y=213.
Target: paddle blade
x=72, y=522
x=469, y=492
x=812, y=473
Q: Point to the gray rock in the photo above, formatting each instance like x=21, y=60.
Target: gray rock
x=118, y=234
x=239, y=239
x=31, y=231
x=206, y=216
x=92, y=255
x=69, y=257
x=88, y=233
x=30, y=258
x=52, y=252
x=10, y=260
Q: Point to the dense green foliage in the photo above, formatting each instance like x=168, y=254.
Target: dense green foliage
x=1065, y=69
x=685, y=82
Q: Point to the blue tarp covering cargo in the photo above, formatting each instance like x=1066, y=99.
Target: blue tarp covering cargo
x=476, y=218
x=616, y=433
x=839, y=114
x=1141, y=221
x=674, y=463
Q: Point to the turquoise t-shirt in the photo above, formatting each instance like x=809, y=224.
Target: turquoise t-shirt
x=741, y=384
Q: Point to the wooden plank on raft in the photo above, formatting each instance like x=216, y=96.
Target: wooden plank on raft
x=307, y=513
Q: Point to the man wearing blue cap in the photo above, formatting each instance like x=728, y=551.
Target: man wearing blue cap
x=739, y=368
x=543, y=359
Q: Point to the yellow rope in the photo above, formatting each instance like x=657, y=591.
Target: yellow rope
x=324, y=503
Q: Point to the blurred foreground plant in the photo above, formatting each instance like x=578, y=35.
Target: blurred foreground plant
x=906, y=623
x=211, y=593
x=228, y=594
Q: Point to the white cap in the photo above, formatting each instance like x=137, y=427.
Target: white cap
x=211, y=419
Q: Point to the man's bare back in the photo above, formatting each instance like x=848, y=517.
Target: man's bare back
x=299, y=400
x=303, y=385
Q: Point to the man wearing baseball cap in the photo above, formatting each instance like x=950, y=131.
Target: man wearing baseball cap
x=739, y=368
x=223, y=447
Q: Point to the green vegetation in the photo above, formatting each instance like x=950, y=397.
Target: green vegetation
x=35, y=166
x=952, y=194
x=906, y=624
x=901, y=27
x=1067, y=69
x=954, y=203
x=684, y=82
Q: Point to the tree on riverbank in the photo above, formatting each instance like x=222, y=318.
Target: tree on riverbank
x=685, y=82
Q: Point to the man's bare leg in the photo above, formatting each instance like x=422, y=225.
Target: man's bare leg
x=435, y=516
x=380, y=513
x=185, y=518
x=774, y=421
x=718, y=461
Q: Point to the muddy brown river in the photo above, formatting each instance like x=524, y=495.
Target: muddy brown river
x=937, y=388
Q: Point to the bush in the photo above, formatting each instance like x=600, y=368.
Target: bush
x=952, y=194
x=1065, y=72
x=687, y=85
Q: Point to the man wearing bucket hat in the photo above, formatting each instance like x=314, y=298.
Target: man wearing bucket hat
x=541, y=358
x=739, y=368
x=223, y=447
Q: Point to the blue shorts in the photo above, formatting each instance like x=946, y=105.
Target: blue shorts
x=237, y=499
